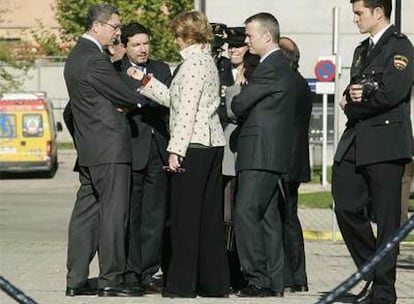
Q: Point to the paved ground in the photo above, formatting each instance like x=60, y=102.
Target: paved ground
x=33, y=224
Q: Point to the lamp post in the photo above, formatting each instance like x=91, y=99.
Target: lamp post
x=398, y=14
x=200, y=5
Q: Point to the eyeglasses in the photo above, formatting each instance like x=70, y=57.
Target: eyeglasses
x=114, y=27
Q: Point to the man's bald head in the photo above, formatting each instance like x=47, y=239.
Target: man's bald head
x=291, y=51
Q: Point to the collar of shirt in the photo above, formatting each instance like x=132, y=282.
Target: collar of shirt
x=89, y=37
x=378, y=35
x=268, y=53
x=141, y=67
x=195, y=49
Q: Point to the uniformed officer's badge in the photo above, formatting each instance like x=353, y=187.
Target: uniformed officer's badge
x=400, y=62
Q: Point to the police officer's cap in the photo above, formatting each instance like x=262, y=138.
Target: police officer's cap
x=236, y=36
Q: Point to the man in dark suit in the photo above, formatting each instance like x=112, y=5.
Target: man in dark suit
x=102, y=136
x=266, y=108
x=149, y=154
x=376, y=144
x=295, y=278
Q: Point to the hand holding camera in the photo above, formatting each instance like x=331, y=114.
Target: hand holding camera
x=363, y=90
x=355, y=92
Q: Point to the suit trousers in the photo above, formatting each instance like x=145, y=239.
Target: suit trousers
x=146, y=219
x=293, y=243
x=98, y=223
x=378, y=187
x=237, y=281
x=259, y=228
x=198, y=262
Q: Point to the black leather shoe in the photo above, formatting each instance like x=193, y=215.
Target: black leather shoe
x=254, y=291
x=301, y=288
x=277, y=294
x=213, y=294
x=364, y=296
x=289, y=289
x=152, y=288
x=168, y=294
x=85, y=290
x=121, y=291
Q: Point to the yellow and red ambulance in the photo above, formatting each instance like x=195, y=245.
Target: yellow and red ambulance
x=27, y=134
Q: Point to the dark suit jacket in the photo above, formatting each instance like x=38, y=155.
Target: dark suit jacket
x=299, y=167
x=380, y=126
x=266, y=108
x=96, y=90
x=151, y=118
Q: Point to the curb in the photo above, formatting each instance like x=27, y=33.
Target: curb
x=313, y=235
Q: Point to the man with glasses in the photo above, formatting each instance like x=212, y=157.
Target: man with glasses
x=97, y=94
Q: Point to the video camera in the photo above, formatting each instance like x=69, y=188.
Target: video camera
x=219, y=31
x=369, y=86
x=233, y=36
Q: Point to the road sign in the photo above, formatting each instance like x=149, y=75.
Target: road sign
x=325, y=70
x=324, y=87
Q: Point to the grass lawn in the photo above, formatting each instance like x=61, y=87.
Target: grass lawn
x=324, y=200
x=66, y=146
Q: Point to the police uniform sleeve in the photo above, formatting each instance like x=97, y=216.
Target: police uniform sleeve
x=393, y=86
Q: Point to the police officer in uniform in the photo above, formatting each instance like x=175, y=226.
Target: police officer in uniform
x=375, y=145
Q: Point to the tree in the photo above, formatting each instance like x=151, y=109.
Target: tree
x=156, y=15
x=16, y=57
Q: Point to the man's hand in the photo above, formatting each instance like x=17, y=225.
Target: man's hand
x=343, y=102
x=135, y=73
x=355, y=92
x=240, y=79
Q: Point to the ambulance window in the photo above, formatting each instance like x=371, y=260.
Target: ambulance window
x=7, y=125
x=32, y=125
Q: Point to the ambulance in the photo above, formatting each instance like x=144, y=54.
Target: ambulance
x=27, y=134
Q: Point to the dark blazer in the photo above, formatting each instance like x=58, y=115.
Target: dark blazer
x=96, y=90
x=299, y=167
x=266, y=108
x=381, y=125
x=151, y=118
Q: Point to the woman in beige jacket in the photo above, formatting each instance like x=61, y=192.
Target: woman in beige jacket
x=198, y=263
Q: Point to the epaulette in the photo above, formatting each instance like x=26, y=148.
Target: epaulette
x=399, y=35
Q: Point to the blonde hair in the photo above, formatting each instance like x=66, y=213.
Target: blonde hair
x=193, y=27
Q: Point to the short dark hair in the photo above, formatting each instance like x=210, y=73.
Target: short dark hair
x=131, y=29
x=250, y=62
x=386, y=5
x=268, y=23
x=99, y=12
x=291, y=51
